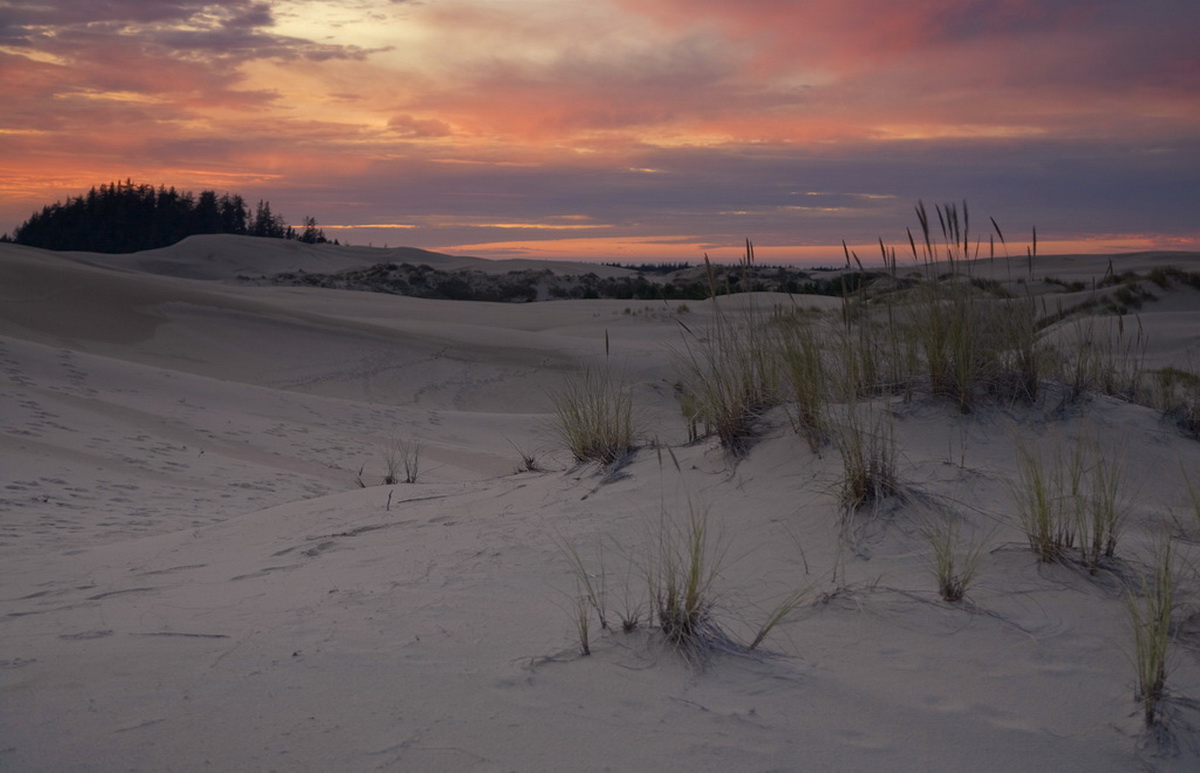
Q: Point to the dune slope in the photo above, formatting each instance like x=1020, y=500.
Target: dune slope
x=201, y=569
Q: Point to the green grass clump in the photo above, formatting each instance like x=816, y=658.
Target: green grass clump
x=1048, y=525
x=594, y=416
x=1070, y=500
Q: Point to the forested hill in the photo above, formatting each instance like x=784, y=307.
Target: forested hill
x=127, y=217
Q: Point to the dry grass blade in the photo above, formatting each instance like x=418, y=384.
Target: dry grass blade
x=594, y=592
x=582, y=624
x=780, y=613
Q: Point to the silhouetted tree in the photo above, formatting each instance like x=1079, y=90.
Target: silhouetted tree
x=312, y=234
x=125, y=217
x=267, y=224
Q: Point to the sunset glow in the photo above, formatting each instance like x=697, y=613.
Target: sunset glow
x=621, y=129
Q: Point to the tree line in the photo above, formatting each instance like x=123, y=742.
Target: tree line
x=128, y=217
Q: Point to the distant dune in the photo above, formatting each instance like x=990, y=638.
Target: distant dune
x=225, y=257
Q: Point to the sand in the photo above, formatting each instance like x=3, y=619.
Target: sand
x=200, y=568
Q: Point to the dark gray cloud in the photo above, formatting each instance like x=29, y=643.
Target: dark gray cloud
x=185, y=29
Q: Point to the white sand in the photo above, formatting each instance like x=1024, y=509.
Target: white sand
x=192, y=578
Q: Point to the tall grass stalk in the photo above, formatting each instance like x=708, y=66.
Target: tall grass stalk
x=804, y=371
x=1194, y=493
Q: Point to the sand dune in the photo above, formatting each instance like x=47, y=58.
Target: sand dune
x=225, y=257
x=193, y=577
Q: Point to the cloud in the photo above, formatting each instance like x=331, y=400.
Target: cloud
x=410, y=126
x=170, y=29
x=692, y=123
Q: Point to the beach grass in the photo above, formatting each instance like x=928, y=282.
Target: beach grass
x=954, y=564
x=681, y=580
x=1150, y=613
x=593, y=415
x=731, y=370
x=1038, y=493
x=867, y=443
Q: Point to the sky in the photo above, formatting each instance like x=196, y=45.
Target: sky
x=622, y=130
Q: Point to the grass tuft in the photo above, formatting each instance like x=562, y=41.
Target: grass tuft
x=954, y=565
x=1150, y=617
x=868, y=448
x=804, y=374
x=681, y=582
x=1072, y=498
x=583, y=624
x=1048, y=526
x=731, y=372
x=401, y=455
x=594, y=416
